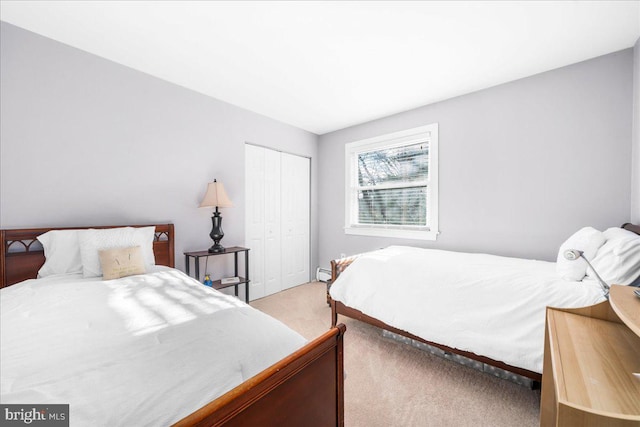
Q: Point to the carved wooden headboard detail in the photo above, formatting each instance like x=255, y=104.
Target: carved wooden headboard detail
x=22, y=255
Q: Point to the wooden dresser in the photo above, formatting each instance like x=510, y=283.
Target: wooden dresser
x=592, y=364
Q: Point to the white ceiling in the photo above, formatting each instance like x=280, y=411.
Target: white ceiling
x=323, y=66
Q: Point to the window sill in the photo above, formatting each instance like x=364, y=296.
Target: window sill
x=391, y=232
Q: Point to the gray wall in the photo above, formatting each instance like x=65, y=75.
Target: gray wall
x=635, y=173
x=85, y=141
x=522, y=165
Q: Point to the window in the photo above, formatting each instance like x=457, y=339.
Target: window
x=392, y=185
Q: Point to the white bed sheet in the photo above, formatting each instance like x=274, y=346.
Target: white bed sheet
x=142, y=350
x=489, y=305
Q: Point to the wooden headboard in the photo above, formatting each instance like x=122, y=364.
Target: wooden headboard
x=22, y=255
x=631, y=227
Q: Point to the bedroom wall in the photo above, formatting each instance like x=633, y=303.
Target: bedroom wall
x=86, y=141
x=522, y=165
x=635, y=160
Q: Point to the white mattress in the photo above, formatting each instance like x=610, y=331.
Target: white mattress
x=489, y=305
x=142, y=350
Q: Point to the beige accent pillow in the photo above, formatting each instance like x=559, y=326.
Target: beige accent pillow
x=121, y=262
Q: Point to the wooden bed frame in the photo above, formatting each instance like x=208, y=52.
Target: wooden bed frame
x=339, y=265
x=305, y=388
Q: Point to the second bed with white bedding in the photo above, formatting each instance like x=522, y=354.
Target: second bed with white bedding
x=485, y=304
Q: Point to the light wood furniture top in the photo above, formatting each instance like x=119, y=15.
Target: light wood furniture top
x=627, y=306
x=592, y=364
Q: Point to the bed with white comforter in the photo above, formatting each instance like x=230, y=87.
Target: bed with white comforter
x=489, y=305
x=141, y=350
x=485, y=304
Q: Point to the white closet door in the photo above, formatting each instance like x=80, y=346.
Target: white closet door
x=255, y=218
x=277, y=187
x=295, y=172
x=272, y=255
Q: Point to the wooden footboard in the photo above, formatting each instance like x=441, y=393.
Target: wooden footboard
x=304, y=389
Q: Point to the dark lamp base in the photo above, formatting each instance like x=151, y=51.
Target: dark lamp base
x=215, y=249
x=216, y=233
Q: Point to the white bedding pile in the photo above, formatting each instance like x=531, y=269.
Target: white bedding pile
x=489, y=305
x=142, y=350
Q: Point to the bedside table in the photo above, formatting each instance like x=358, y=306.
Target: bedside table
x=217, y=284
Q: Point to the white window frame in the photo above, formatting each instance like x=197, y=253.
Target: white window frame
x=395, y=139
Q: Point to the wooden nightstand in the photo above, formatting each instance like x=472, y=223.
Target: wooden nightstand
x=217, y=284
x=591, y=360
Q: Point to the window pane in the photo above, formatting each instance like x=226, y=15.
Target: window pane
x=409, y=163
x=397, y=206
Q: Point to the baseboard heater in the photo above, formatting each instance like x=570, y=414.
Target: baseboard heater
x=323, y=274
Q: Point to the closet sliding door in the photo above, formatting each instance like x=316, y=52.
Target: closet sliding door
x=255, y=223
x=295, y=220
x=272, y=231
x=277, y=219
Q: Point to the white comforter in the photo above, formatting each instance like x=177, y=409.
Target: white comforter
x=142, y=350
x=489, y=305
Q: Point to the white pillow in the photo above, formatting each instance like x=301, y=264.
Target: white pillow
x=94, y=240
x=587, y=240
x=618, y=260
x=61, y=253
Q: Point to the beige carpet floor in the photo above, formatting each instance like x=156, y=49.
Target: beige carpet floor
x=393, y=384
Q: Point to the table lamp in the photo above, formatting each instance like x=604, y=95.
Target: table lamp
x=574, y=254
x=216, y=197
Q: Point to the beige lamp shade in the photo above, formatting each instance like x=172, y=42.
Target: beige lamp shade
x=216, y=196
